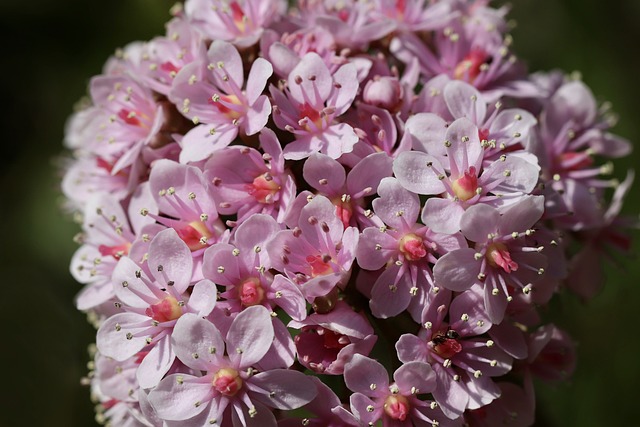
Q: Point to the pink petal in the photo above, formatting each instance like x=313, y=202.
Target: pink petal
x=342, y=97
x=521, y=176
x=409, y=348
x=257, y=115
x=282, y=353
x=359, y=404
x=249, y=336
x=523, y=215
x=303, y=147
x=128, y=288
x=412, y=170
x=339, y=139
x=255, y=232
x=464, y=100
x=142, y=198
x=479, y=221
x=203, y=298
x=316, y=82
x=361, y=373
x=225, y=54
x=324, y=174
x=170, y=260
x=322, y=210
x=369, y=172
x=394, y=198
x=287, y=389
x=291, y=300
x=415, y=375
x=387, y=299
x=495, y=305
x=510, y=338
x=221, y=265
x=368, y=256
x=200, y=142
x=193, y=335
x=175, y=397
x=260, y=72
x=112, y=336
x=263, y=417
x=457, y=270
x=452, y=396
x=465, y=149
x=442, y=215
x=156, y=363
x=270, y=145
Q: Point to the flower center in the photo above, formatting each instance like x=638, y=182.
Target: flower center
x=116, y=252
x=573, y=160
x=471, y=65
x=239, y=18
x=195, y=235
x=226, y=103
x=169, y=67
x=396, y=407
x=227, y=381
x=412, y=247
x=251, y=292
x=319, y=265
x=465, y=187
x=498, y=256
x=312, y=115
x=164, y=311
x=344, y=209
x=129, y=117
x=446, y=344
x=483, y=134
x=263, y=188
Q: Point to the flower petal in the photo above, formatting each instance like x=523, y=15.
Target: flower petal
x=175, y=397
x=197, y=342
x=286, y=389
x=170, y=260
x=457, y=270
x=250, y=336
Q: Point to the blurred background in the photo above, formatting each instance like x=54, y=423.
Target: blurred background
x=50, y=49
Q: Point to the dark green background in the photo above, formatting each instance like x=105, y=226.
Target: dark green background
x=49, y=51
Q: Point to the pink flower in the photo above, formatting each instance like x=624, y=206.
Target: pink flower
x=152, y=299
x=347, y=191
x=318, y=254
x=240, y=22
x=482, y=61
x=353, y=23
x=157, y=62
x=551, y=354
x=464, y=362
x=455, y=170
x=396, y=404
x=182, y=196
x=414, y=15
x=405, y=249
x=229, y=385
x=246, y=182
x=108, y=238
x=130, y=119
x=500, y=260
x=309, y=104
x=328, y=341
x=210, y=91
x=514, y=408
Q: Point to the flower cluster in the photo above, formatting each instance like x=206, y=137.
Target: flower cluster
x=374, y=190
